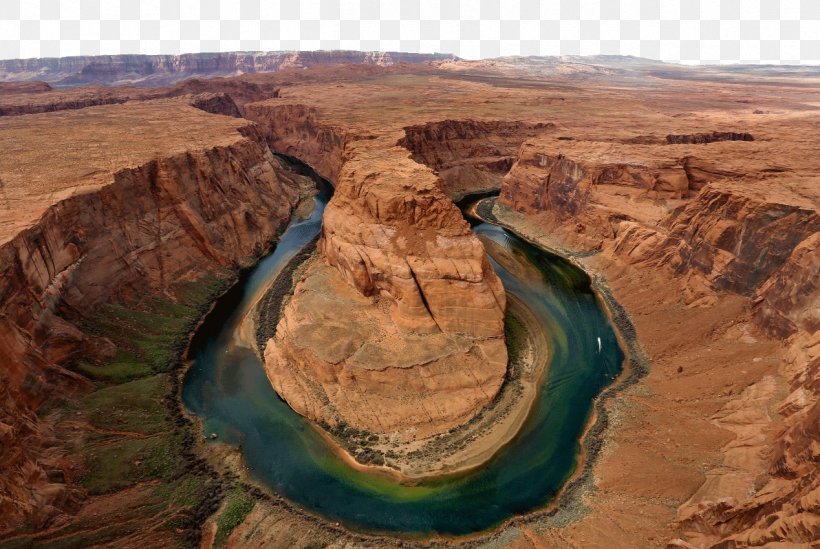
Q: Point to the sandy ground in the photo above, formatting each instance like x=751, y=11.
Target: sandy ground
x=87, y=147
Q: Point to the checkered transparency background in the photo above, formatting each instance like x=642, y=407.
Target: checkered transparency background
x=688, y=31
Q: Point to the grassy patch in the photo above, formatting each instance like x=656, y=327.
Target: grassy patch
x=134, y=439
x=124, y=368
x=185, y=493
x=122, y=463
x=515, y=333
x=169, y=503
x=146, y=332
x=238, y=504
x=135, y=406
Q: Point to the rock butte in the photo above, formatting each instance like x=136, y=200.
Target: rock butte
x=709, y=241
x=418, y=348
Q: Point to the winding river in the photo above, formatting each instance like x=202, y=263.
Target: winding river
x=227, y=388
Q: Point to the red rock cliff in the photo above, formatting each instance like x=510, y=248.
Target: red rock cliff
x=296, y=130
x=714, y=218
x=172, y=219
x=469, y=155
x=158, y=70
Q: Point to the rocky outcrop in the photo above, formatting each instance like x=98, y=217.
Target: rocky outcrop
x=704, y=138
x=238, y=91
x=400, y=328
x=296, y=130
x=591, y=186
x=166, y=221
x=23, y=87
x=157, y=70
x=469, y=155
x=736, y=241
x=719, y=226
x=678, y=210
x=392, y=232
x=789, y=301
x=216, y=103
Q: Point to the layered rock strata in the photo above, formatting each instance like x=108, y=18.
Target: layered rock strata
x=705, y=220
x=114, y=224
x=297, y=130
x=469, y=155
x=16, y=99
x=159, y=70
x=398, y=329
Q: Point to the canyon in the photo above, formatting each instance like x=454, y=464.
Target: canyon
x=690, y=195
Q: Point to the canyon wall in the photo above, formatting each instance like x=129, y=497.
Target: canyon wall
x=171, y=220
x=713, y=221
x=399, y=328
x=156, y=70
x=16, y=100
x=665, y=205
x=296, y=130
x=469, y=155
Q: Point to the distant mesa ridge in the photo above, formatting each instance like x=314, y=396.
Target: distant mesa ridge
x=167, y=69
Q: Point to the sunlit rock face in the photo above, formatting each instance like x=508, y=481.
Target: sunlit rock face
x=400, y=326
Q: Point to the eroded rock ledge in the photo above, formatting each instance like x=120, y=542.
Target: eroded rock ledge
x=399, y=328
x=718, y=222
x=128, y=221
x=469, y=155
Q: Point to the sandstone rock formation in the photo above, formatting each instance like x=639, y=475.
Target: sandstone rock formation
x=475, y=151
x=401, y=331
x=296, y=130
x=703, y=138
x=705, y=221
x=715, y=446
x=159, y=70
x=113, y=219
x=16, y=99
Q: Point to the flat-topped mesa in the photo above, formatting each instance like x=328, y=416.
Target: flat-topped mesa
x=401, y=329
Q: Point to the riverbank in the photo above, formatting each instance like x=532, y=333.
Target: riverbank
x=566, y=508
x=658, y=461
x=458, y=451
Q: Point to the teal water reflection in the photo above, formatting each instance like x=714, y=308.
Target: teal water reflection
x=228, y=389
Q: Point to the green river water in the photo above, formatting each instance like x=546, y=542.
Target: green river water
x=227, y=388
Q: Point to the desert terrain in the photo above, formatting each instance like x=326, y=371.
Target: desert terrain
x=130, y=201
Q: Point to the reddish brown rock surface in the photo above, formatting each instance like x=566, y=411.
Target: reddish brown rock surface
x=475, y=152
x=717, y=444
x=135, y=201
x=715, y=223
x=404, y=333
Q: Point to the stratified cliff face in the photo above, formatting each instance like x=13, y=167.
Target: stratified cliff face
x=167, y=221
x=393, y=232
x=296, y=130
x=789, y=301
x=469, y=155
x=704, y=138
x=736, y=241
x=156, y=70
x=713, y=221
x=399, y=329
x=592, y=186
x=16, y=100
